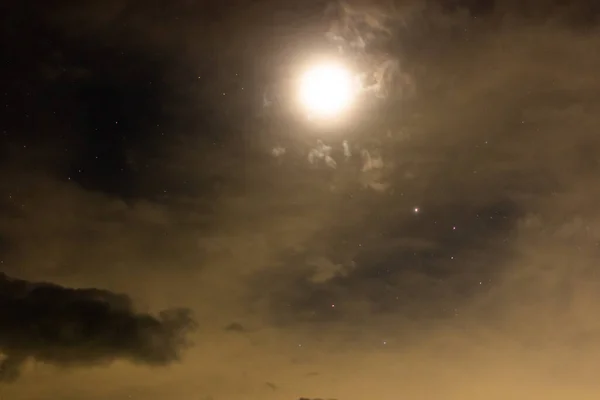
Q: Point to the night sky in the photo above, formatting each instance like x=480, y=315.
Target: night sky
x=173, y=227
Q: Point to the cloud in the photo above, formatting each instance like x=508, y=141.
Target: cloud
x=68, y=327
x=499, y=141
x=325, y=270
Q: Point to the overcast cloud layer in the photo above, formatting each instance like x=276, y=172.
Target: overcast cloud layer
x=452, y=255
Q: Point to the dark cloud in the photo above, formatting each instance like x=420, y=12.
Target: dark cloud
x=65, y=327
x=235, y=327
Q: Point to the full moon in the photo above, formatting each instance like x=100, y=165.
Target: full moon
x=326, y=90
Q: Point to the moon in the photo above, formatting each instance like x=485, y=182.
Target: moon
x=326, y=90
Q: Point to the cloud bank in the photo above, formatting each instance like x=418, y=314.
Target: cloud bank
x=66, y=327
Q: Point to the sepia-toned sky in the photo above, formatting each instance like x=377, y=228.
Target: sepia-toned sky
x=172, y=228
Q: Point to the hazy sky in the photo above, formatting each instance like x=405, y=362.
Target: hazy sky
x=442, y=243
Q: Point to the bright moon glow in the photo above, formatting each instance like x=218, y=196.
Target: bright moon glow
x=326, y=90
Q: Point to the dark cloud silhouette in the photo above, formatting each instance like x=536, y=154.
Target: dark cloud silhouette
x=64, y=326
